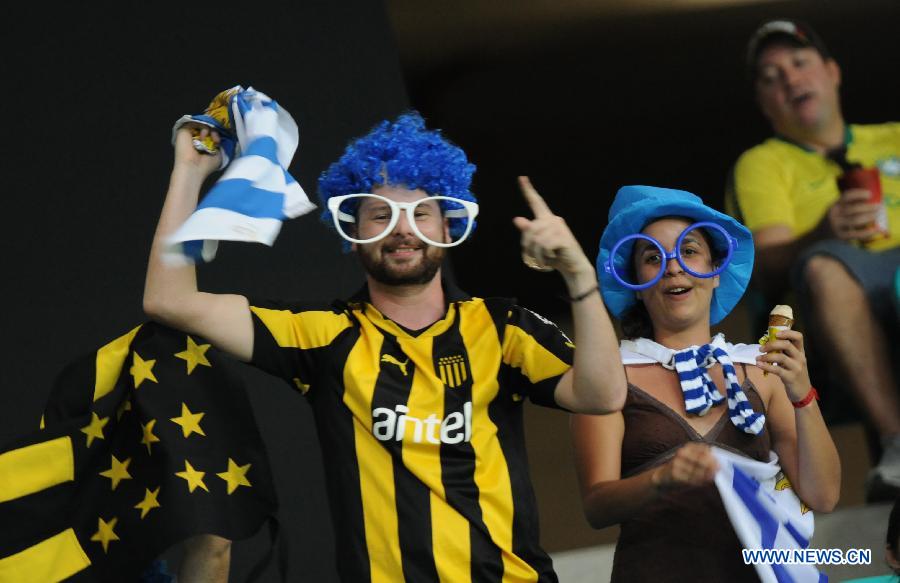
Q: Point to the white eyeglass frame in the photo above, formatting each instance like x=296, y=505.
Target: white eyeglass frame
x=469, y=211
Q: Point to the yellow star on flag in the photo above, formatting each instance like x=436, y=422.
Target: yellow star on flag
x=193, y=477
x=148, y=503
x=235, y=475
x=125, y=406
x=149, y=438
x=142, y=370
x=190, y=422
x=194, y=355
x=301, y=385
x=105, y=532
x=94, y=429
x=118, y=471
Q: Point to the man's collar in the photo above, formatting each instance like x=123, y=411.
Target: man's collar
x=848, y=139
x=361, y=300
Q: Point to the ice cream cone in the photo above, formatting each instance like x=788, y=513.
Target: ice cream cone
x=781, y=322
x=780, y=318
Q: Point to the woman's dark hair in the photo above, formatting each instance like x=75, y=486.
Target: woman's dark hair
x=636, y=322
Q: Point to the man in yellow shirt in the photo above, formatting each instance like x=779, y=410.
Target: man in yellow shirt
x=824, y=241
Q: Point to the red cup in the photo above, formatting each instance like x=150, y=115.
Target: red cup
x=868, y=179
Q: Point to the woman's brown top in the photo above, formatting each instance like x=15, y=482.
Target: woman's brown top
x=685, y=534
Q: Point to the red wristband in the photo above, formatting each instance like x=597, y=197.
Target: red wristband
x=812, y=394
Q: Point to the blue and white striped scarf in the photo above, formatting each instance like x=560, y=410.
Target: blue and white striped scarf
x=699, y=390
x=255, y=193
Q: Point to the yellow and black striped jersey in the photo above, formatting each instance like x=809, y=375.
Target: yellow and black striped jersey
x=422, y=432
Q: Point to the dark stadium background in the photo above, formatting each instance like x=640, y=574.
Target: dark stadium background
x=582, y=96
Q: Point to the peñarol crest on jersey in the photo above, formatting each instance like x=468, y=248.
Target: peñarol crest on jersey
x=452, y=370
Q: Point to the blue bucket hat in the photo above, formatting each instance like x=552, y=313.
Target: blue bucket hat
x=637, y=206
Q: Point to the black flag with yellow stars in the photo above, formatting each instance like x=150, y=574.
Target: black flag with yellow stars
x=146, y=442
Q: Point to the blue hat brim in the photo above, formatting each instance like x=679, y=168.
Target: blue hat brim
x=635, y=207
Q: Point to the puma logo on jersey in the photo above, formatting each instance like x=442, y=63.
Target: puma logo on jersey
x=391, y=360
x=394, y=424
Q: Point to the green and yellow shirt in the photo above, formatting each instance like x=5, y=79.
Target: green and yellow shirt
x=782, y=183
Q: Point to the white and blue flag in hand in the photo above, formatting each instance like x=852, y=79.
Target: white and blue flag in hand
x=766, y=514
x=255, y=193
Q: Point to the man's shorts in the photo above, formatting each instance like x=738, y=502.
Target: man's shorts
x=875, y=272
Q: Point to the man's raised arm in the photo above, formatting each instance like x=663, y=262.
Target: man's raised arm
x=596, y=382
x=170, y=292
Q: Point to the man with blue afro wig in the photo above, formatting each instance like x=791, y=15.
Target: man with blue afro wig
x=416, y=386
x=399, y=152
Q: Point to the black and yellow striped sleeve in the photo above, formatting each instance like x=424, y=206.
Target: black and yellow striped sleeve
x=289, y=340
x=540, y=352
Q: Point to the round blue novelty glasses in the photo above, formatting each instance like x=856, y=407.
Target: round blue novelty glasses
x=688, y=253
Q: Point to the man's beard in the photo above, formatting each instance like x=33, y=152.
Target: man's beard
x=377, y=267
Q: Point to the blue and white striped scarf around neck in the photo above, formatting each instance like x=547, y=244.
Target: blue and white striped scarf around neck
x=699, y=390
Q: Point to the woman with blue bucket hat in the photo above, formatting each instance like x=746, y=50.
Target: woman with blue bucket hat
x=669, y=268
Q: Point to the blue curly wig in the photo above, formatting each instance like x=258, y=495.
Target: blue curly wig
x=409, y=155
